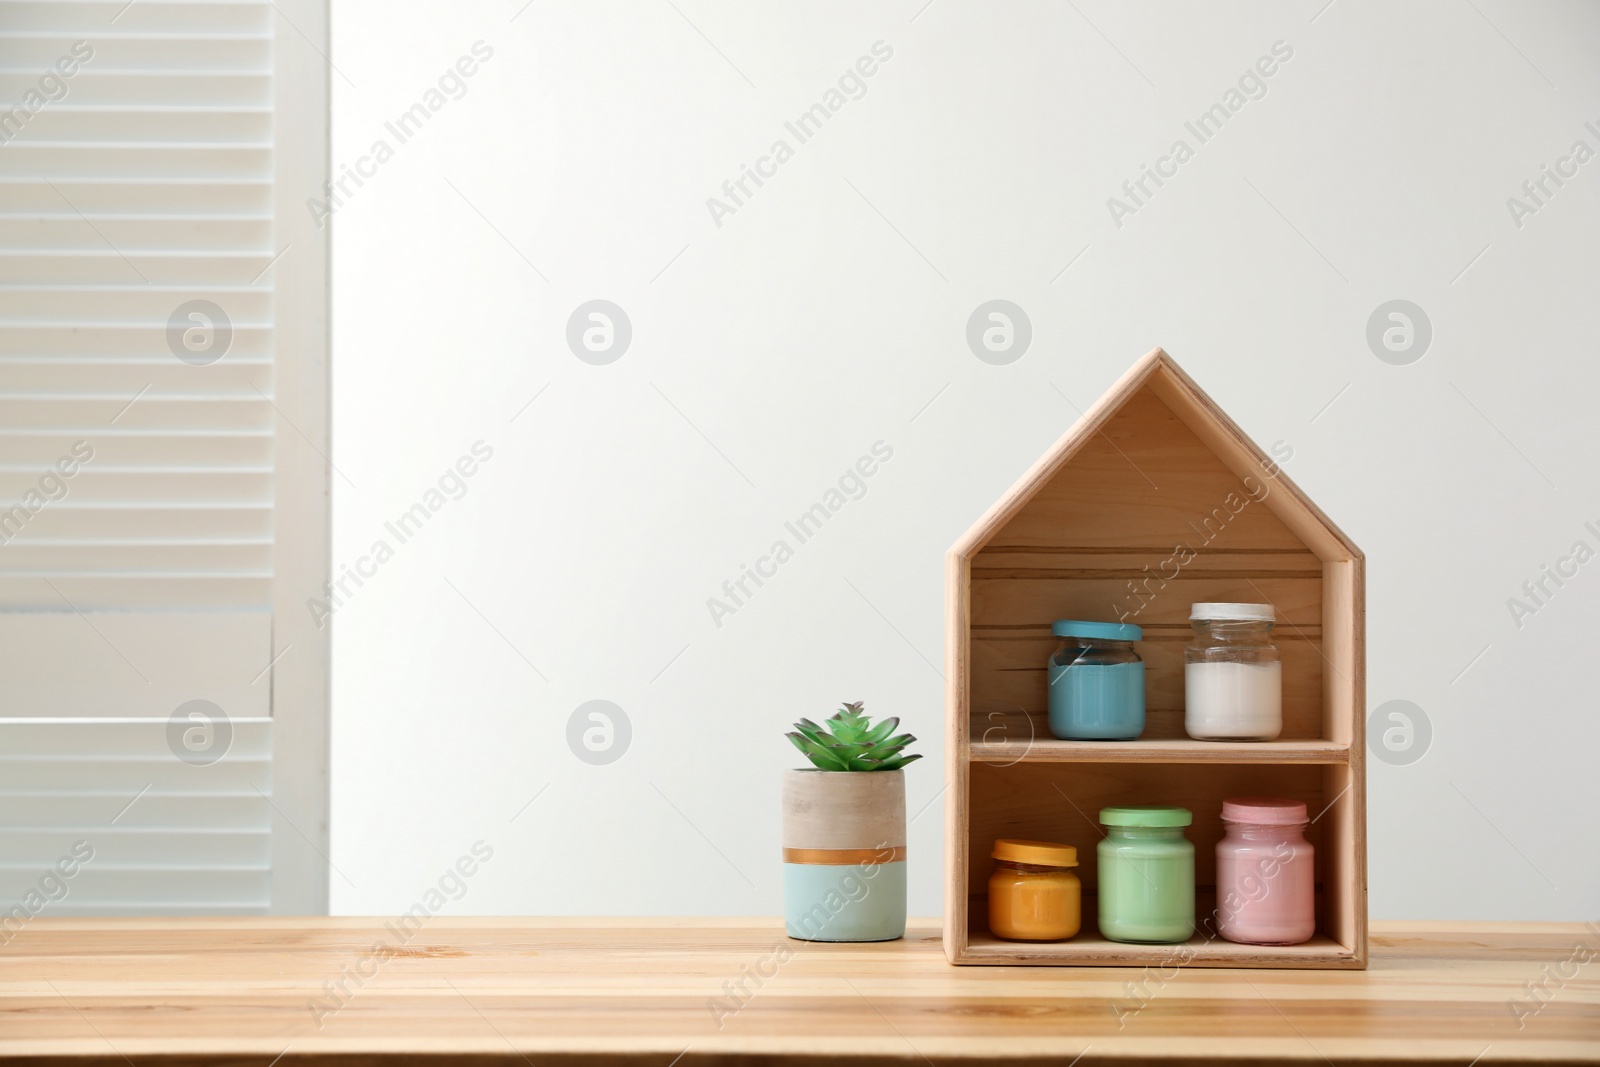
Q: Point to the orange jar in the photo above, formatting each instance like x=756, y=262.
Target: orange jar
x=1033, y=894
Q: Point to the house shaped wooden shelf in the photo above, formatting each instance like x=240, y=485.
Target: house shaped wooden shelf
x=1096, y=531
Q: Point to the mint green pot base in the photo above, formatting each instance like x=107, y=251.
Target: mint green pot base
x=826, y=902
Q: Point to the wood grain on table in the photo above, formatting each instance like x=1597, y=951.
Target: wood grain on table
x=654, y=991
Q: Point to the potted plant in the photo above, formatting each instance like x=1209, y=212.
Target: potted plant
x=844, y=830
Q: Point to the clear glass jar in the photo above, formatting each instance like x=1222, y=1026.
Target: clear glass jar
x=1232, y=675
x=1266, y=873
x=1033, y=894
x=1146, y=879
x=1096, y=682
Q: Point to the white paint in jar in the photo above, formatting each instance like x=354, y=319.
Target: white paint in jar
x=1233, y=679
x=1226, y=701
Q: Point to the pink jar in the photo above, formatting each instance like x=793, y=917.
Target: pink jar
x=1266, y=883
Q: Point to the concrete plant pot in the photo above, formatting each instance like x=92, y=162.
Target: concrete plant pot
x=844, y=855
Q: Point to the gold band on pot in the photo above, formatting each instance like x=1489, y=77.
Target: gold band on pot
x=845, y=857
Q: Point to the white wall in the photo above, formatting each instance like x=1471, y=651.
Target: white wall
x=824, y=315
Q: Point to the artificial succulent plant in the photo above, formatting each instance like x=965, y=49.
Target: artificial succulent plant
x=849, y=741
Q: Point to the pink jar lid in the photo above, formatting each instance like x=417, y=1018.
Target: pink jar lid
x=1264, y=811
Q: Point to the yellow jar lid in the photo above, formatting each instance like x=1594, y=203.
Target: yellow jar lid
x=1041, y=853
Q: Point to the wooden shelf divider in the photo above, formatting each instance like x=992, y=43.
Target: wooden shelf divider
x=1050, y=750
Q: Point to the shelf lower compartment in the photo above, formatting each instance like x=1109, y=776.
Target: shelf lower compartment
x=1061, y=800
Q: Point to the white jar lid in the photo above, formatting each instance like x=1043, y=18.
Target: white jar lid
x=1234, y=612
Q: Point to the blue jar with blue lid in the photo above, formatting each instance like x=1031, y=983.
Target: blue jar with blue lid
x=1096, y=681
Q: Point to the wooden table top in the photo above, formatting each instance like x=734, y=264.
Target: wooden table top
x=659, y=991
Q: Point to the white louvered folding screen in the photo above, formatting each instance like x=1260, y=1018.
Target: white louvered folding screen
x=142, y=449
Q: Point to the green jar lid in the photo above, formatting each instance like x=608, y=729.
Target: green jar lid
x=1145, y=815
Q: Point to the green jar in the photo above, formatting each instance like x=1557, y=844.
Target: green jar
x=1146, y=880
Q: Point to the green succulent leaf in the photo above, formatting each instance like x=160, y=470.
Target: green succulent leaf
x=883, y=729
x=824, y=758
x=898, y=762
x=802, y=742
x=890, y=747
